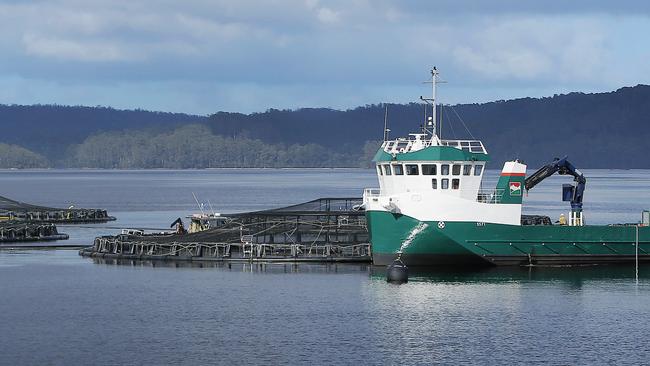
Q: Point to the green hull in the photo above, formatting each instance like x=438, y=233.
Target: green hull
x=452, y=243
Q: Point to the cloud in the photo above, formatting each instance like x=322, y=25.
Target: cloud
x=533, y=48
x=337, y=52
x=518, y=7
x=64, y=49
x=327, y=15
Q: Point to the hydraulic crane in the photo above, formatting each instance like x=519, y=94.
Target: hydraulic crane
x=570, y=192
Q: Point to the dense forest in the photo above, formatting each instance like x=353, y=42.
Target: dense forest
x=12, y=156
x=195, y=146
x=600, y=130
x=50, y=129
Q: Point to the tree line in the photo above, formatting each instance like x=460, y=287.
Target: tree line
x=13, y=156
x=189, y=146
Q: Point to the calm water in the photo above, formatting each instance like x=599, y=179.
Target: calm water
x=59, y=308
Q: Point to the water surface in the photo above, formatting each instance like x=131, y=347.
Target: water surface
x=59, y=308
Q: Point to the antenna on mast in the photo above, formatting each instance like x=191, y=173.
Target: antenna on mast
x=431, y=122
x=386, y=130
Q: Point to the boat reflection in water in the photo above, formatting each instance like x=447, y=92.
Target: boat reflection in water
x=575, y=275
x=258, y=267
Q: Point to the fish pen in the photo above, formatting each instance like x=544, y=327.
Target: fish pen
x=15, y=211
x=25, y=232
x=322, y=230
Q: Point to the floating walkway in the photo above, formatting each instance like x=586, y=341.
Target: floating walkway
x=322, y=230
x=244, y=252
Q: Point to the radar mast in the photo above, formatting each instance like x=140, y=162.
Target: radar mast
x=431, y=124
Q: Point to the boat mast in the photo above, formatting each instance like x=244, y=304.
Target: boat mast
x=434, y=79
x=386, y=130
x=431, y=123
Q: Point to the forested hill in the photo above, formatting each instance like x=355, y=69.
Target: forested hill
x=602, y=130
x=50, y=129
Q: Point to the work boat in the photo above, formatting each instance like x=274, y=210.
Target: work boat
x=430, y=209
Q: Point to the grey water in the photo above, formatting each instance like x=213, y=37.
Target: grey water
x=62, y=309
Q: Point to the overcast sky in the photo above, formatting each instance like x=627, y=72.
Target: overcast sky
x=203, y=56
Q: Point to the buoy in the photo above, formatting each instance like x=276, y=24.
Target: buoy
x=397, y=272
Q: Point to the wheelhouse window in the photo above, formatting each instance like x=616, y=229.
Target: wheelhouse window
x=379, y=170
x=429, y=169
x=455, y=169
x=412, y=169
x=467, y=169
x=398, y=169
x=387, y=169
x=434, y=183
x=478, y=169
x=444, y=169
x=455, y=183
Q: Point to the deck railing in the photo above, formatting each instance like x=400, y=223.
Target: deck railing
x=403, y=145
x=474, y=146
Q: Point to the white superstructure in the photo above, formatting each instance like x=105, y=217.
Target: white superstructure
x=431, y=179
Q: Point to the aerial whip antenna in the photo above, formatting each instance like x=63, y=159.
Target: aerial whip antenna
x=386, y=130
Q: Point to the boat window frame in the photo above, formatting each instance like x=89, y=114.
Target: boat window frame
x=401, y=169
x=455, y=183
x=407, y=169
x=434, y=183
x=456, y=169
x=387, y=170
x=442, y=169
x=444, y=183
x=379, y=168
x=467, y=169
x=478, y=170
x=434, y=170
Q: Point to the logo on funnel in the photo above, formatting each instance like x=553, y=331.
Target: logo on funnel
x=515, y=188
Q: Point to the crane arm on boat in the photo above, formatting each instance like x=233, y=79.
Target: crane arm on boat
x=572, y=192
